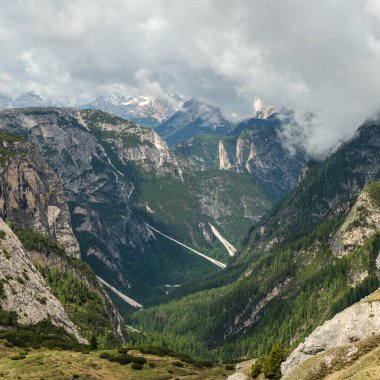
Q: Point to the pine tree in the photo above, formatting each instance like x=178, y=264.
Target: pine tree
x=257, y=367
x=93, y=342
x=272, y=365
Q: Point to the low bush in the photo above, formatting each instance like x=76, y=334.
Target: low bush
x=122, y=359
x=138, y=360
x=137, y=366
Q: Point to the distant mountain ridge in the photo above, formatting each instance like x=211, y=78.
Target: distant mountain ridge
x=194, y=118
x=26, y=99
x=147, y=110
x=253, y=147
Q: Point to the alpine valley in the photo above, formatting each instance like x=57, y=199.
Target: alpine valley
x=152, y=238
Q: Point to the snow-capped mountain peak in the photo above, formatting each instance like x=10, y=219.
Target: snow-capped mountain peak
x=261, y=110
x=144, y=109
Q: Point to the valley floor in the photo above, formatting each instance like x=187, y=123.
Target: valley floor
x=67, y=365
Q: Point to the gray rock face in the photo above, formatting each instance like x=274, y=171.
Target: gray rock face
x=194, y=118
x=99, y=197
x=243, y=370
x=357, y=322
x=132, y=142
x=362, y=221
x=254, y=147
x=25, y=291
x=31, y=194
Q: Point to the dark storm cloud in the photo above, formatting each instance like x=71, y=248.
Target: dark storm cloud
x=318, y=56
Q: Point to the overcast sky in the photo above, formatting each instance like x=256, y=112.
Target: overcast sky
x=321, y=56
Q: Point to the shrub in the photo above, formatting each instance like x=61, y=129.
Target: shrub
x=138, y=360
x=137, y=366
x=42, y=300
x=93, y=342
x=204, y=363
x=122, y=359
x=18, y=357
x=152, y=365
x=229, y=367
x=178, y=364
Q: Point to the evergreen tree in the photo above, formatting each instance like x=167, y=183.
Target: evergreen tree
x=93, y=342
x=272, y=365
x=256, y=368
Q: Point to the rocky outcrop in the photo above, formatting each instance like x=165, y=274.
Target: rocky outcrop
x=361, y=223
x=24, y=290
x=32, y=195
x=132, y=142
x=224, y=161
x=243, y=370
x=358, y=322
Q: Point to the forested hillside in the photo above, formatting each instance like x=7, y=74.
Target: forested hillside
x=289, y=278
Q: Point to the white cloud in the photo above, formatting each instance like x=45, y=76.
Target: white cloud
x=314, y=56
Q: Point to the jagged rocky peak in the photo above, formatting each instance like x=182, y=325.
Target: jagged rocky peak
x=144, y=109
x=31, y=194
x=261, y=110
x=211, y=116
x=194, y=118
x=132, y=142
x=24, y=291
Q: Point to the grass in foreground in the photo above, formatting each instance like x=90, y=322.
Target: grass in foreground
x=46, y=364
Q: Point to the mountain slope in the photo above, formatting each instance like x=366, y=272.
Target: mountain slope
x=331, y=183
x=24, y=291
x=255, y=148
x=206, y=196
x=339, y=344
x=280, y=289
x=111, y=170
x=34, y=205
x=194, y=118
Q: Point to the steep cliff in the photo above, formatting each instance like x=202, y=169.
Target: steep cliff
x=23, y=289
x=254, y=147
x=31, y=194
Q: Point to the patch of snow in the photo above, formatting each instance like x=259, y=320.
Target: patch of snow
x=230, y=248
